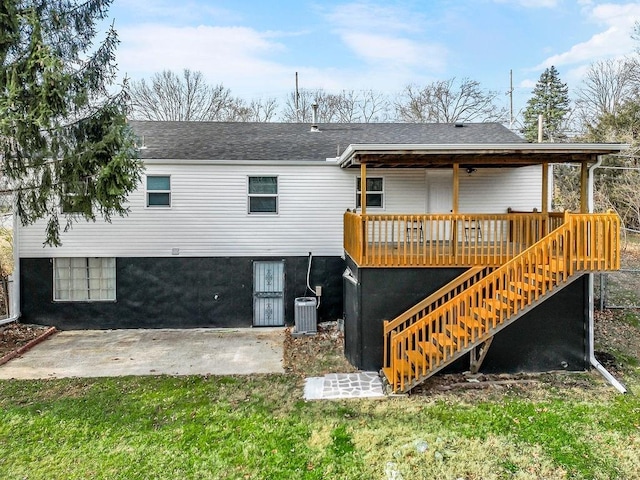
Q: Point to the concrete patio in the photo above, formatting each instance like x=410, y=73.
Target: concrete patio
x=107, y=353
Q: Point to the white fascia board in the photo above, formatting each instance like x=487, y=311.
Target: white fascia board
x=473, y=148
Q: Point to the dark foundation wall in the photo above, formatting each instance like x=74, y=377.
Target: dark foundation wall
x=553, y=336
x=177, y=293
x=550, y=337
x=382, y=294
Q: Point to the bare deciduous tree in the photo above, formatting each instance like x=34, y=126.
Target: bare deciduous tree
x=608, y=85
x=170, y=97
x=262, y=110
x=348, y=106
x=448, y=101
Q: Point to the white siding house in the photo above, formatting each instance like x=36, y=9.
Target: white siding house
x=184, y=255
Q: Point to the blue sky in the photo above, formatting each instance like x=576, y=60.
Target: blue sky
x=254, y=47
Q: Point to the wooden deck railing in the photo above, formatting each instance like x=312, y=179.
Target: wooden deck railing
x=443, y=240
x=429, y=304
x=584, y=243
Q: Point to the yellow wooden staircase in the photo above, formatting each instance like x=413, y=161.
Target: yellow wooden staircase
x=463, y=316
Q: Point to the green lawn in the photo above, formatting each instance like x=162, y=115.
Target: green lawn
x=259, y=428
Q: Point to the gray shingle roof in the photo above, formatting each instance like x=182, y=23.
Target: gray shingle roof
x=295, y=141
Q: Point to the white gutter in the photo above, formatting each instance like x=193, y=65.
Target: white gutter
x=592, y=358
x=13, y=285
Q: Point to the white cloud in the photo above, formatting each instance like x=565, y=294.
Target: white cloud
x=394, y=51
x=387, y=36
x=229, y=55
x=527, y=83
x=373, y=17
x=614, y=41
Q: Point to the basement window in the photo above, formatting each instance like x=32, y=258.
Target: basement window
x=263, y=195
x=375, y=192
x=84, y=279
x=158, y=191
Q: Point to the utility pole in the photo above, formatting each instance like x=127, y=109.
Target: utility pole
x=511, y=99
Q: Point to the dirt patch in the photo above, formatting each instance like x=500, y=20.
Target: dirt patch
x=15, y=335
x=316, y=355
x=617, y=331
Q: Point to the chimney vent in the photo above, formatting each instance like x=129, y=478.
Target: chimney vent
x=314, y=118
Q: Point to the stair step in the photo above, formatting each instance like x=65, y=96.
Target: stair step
x=496, y=304
x=390, y=373
x=429, y=349
x=471, y=323
x=510, y=295
x=538, y=278
x=523, y=287
x=443, y=342
x=459, y=334
x=482, y=313
x=418, y=361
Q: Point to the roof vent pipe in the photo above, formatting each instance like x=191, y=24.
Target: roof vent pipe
x=314, y=118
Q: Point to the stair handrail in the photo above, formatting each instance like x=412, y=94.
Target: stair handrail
x=430, y=303
x=597, y=234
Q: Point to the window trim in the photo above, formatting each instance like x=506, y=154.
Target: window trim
x=263, y=195
x=375, y=192
x=147, y=191
x=88, y=299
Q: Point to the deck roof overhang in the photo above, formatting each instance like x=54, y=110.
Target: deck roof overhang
x=473, y=155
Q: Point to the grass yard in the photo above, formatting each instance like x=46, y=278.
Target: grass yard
x=259, y=428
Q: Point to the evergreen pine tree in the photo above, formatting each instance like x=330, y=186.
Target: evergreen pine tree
x=550, y=98
x=63, y=133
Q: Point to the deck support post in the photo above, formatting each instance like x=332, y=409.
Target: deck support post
x=363, y=208
x=454, y=207
x=584, y=188
x=363, y=188
x=456, y=187
x=545, y=197
x=478, y=355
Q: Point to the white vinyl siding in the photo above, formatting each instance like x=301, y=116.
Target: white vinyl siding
x=208, y=216
x=84, y=279
x=494, y=190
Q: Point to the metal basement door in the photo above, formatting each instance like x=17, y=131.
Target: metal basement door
x=268, y=294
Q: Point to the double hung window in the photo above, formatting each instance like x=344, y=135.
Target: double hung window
x=263, y=195
x=158, y=191
x=375, y=192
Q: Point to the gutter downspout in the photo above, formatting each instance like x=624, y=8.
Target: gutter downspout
x=13, y=285
x=592, y=358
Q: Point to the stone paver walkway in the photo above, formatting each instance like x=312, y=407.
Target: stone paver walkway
x=343, y=385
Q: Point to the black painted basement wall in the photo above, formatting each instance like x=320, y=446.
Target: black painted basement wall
x=550, y=337
x=177, y=293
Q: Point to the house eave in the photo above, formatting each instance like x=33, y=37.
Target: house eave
x=434, y=155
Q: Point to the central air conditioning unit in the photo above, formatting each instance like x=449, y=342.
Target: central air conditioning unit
x=306, y=316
